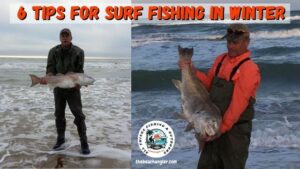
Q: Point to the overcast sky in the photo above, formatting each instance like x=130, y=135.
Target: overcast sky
x=105, y=40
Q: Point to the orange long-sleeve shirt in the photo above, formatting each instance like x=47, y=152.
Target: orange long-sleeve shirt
x=246, y=81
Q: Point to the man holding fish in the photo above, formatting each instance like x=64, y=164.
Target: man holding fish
x=232, y=82
x=66, y=61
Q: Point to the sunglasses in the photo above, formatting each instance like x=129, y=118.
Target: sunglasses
x=236, y=32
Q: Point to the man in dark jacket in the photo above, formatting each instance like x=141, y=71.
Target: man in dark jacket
x=63, y=59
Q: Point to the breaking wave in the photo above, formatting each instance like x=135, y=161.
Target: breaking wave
x=161, y=79
x=276, y=34
x=177, y=37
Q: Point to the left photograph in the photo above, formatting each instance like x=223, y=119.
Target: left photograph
x=65, y=95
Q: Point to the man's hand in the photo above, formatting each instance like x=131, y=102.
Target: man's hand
x=183, y=63
x=43, y=81
x=211, y=138
x=77, y=87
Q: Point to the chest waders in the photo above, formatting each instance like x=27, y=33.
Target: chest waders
x=67, y=61
x=230, y=150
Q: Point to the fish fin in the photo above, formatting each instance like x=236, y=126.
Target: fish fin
x=179, y=48
x=185, y=53
x=189, y=127
x=177, y=84
x=34, y=80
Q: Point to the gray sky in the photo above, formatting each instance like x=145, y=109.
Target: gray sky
x=104, y=40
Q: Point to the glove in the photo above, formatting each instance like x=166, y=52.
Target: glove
x=43, y=81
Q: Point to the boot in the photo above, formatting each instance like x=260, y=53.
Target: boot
x=59, y=142
x=81, y=128
x=60, y=127
x=85, y=148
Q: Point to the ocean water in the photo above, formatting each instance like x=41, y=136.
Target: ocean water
x=275, y=141
x=28, y=131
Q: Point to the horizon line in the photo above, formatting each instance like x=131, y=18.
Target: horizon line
x=45, y=57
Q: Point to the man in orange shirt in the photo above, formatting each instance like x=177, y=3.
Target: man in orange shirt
x=232, y=82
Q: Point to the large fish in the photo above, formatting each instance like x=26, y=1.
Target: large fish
x=199, y=111
x=69, y=80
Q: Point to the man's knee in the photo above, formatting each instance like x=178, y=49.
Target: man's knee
x=75, y=108
x=59, y=114
x=79, y=118
x=77, y=111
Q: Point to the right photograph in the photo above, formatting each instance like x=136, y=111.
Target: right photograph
x=216, y=95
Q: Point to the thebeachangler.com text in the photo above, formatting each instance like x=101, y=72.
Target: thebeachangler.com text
x=158, y=162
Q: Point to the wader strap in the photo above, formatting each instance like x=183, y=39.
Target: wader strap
x=219, y=66
x=237, y=67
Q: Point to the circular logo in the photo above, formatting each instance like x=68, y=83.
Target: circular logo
x=156, y=139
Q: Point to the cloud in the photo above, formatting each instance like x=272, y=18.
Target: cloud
x=107, y=40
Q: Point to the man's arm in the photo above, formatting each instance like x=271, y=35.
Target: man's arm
x=80, y=65
x=50, y=68
x=51, y=65
x=81, y=62
x=246, y=84
x=207, y=79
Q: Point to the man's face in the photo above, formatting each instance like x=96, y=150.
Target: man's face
x=237, y=47
x=65, y=39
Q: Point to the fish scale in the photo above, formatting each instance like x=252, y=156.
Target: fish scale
x=199, y=111
x=69, y=80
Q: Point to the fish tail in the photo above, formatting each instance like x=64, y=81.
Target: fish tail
x=185, y=53
x=34, y=80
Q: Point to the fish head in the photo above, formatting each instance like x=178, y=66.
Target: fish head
x=86, y=80
x=185, y=54
x=211, y=127
x=206, y=125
